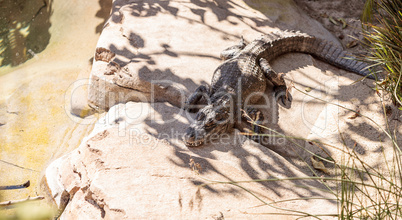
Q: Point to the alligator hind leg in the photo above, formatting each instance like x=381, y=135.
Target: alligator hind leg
x=232, y=51
x=282, y=96
x=253, y=119
x=198, y=99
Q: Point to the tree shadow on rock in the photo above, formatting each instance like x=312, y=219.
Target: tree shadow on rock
x=171, y=128
x=103, y=13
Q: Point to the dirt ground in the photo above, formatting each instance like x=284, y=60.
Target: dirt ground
x=330, y=14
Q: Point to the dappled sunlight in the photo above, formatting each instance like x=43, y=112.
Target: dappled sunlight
x=103, y=105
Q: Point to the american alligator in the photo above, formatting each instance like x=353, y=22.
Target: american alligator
x=241, y=80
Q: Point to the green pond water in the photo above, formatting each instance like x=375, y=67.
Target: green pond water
x=45, y=46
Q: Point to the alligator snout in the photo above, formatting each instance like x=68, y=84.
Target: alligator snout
x=194, y=137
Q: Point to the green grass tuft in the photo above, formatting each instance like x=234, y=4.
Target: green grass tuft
x=384, y=40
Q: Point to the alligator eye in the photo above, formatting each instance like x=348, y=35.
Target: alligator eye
x=200, y=116
x=218, y=117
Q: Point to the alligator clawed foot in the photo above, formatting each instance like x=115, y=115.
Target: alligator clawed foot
x=254, y=119
x=283, y=97
x=251, y=134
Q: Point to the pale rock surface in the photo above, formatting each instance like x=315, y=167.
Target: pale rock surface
x=166, y=49
x=134, y=165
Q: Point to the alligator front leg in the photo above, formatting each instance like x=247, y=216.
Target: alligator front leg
x=198, y=99
x=282, y=95
x=232, y=51
x=252, y=120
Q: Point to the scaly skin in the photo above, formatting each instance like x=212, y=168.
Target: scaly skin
x=241, y=80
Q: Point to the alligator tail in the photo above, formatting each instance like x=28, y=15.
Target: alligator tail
x=286, y=42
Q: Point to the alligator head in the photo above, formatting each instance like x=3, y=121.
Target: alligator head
x=213, y=119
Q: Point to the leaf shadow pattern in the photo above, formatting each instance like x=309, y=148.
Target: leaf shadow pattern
x=103, y=13
x=168, y=130
x=171, y=132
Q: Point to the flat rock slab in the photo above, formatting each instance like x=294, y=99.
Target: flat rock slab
x=136, y=166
